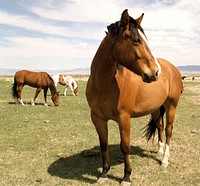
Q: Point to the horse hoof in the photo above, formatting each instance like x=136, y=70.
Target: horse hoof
x=164, y=165
x=45, y=104
x=102, y=180
x=125, y=183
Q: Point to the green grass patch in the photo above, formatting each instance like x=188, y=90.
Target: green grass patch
x=33, y=137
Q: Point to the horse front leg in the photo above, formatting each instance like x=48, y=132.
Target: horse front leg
x=65, y=92
x=45, y=96
x=102, y=130
x=170, y=115
x=72, y=89
x=158, y=117
x=124, y=127
x=36, y=95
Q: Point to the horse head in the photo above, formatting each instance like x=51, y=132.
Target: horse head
x=55, y=98
x=131, y=49
x=76, y=91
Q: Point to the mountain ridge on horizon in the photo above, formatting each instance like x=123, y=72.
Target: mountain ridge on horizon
x=86, y=70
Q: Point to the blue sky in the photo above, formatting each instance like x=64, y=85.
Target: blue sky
x=65, y=34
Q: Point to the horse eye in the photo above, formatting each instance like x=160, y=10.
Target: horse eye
x=136, y=41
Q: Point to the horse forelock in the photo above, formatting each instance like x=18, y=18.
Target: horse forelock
x=114, y=28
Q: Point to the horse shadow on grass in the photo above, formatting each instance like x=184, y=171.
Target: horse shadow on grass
x=82, y=168
x=28, y=103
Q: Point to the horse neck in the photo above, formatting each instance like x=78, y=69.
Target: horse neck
x=104, y=66
x=52, y=86
x=75, y=84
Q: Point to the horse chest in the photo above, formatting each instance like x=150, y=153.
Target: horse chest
x=103, y=105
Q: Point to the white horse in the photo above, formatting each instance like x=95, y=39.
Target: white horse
x=67, y=81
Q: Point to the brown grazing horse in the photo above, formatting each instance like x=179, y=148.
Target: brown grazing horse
x=39, y=80
x=136, y=85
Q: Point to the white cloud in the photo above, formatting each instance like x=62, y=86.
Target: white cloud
x=46, y=48
x=53, y=52
x=44, y=27
x=81, y=11
x=172, y=30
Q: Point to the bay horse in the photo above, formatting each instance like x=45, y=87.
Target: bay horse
x=137, y=84
x=67, y=81
x=39, y=80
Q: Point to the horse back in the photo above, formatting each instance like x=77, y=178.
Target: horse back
x=62, y=79
x=33, y=79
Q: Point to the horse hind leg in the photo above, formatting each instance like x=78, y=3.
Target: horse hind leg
x=19, y=94
x=170, y=115
x=156, y=122
x=160, y=127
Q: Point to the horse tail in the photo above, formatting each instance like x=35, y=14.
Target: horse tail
x=150, y=128
x=14, y=89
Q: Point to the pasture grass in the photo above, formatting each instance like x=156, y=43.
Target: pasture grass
x=43, y=145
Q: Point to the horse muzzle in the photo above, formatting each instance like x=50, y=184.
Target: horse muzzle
x=55, y=103
x=148, y=78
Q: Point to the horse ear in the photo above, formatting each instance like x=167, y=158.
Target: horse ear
x=139, y=19
x=125, y=18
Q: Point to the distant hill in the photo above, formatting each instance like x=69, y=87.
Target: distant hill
x=6, y=71
x=190, y=68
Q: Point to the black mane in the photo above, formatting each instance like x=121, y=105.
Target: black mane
x=117, y=28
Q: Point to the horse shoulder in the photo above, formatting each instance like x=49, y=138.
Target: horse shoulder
x=44, y=79
x=140, y=98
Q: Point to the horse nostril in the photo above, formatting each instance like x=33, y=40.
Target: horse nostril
x=146, y=77
x=157, y=74
x=150, y=78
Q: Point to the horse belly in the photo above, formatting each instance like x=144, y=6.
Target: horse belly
x=145, y=109
x=147, y=102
